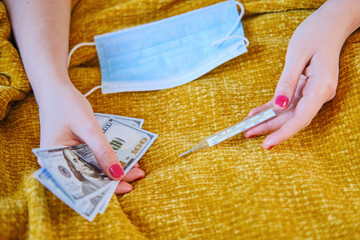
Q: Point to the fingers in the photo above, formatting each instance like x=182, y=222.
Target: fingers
x=261, y=108
x=269, y=126
x=124, y=186
x=305, y=111
x=94, y=137
x=134, y=174
x=260, y=129
x=298, y=116
x=295, y=64
x=276, y=123
x=108, y=161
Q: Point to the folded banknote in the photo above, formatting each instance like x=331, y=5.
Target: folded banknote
x=73, y=174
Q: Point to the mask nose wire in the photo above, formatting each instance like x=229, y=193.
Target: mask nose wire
x=77, y=46
x=236, y=25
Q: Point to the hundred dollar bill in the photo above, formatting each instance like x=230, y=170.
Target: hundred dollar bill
x=88, y=208
x=75, y=175
x=103, y=118
x=108, y=196
x=48, y=148
x=130, y=143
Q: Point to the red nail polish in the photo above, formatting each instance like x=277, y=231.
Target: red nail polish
x=270, y=147
x=116, y=171
x=281, y=101
x=251, y=136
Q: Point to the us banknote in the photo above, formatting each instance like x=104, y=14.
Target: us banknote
x=73, y=174
x=86, y=207
x=103, y=118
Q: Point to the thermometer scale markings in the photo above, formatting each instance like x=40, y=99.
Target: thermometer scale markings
x=242, y=126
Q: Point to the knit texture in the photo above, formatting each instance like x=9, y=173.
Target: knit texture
x=14, y=84
x=306, y=188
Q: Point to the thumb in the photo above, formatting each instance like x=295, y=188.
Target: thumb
x=288, y=82
x=104, y=153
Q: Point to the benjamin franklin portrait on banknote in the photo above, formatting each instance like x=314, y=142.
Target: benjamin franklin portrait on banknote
x=89, y=175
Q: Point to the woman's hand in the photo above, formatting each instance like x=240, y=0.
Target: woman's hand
x=41, y=30
x=67, y=119
x=313, y=51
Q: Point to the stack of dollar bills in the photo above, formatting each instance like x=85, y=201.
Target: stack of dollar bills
x=73, y=174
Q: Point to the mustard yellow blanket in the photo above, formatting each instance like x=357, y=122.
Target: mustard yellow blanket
x=306, y=188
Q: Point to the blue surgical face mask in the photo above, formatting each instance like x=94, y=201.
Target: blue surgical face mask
x=172, y=51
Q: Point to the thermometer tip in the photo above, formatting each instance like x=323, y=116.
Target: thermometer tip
x=187, y=152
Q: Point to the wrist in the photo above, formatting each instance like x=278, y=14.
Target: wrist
x=343, y=17
x=51, y=87
x=351, y=14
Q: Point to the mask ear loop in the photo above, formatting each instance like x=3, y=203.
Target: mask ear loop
x=69, y=58
x=76, y=47
x=219, y=42
x=228, y=36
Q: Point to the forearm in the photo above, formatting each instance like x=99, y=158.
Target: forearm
x=348, y=13
x=342, y=16
x=41, y=30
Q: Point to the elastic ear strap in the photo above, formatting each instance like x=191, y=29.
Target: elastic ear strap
x=92, y=90
x=69, y=58
x=219, y=42
x=76, y=47
x=235, y=26
x=239, y=18
x=241, y=8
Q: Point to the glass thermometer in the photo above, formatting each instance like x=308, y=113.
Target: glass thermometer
x=237, y=128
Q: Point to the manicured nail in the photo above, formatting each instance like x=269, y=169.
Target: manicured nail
x=270, y=147
x=281, y=101
x=116, y=171
x=251, y=136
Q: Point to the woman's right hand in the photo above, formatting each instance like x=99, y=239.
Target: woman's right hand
x=67, y=119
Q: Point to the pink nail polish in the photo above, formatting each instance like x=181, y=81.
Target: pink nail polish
x=116, y=171
x=281, y=101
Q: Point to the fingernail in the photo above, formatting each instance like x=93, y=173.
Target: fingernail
x=251, y=136
x=270, y=147
x=281, y=101
x=116, y=171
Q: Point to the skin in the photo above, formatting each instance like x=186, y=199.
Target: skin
x=313, y=51
x=41, y=31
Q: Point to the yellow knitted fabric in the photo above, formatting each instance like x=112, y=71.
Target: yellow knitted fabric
x=305, y=188
x=14, y=84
